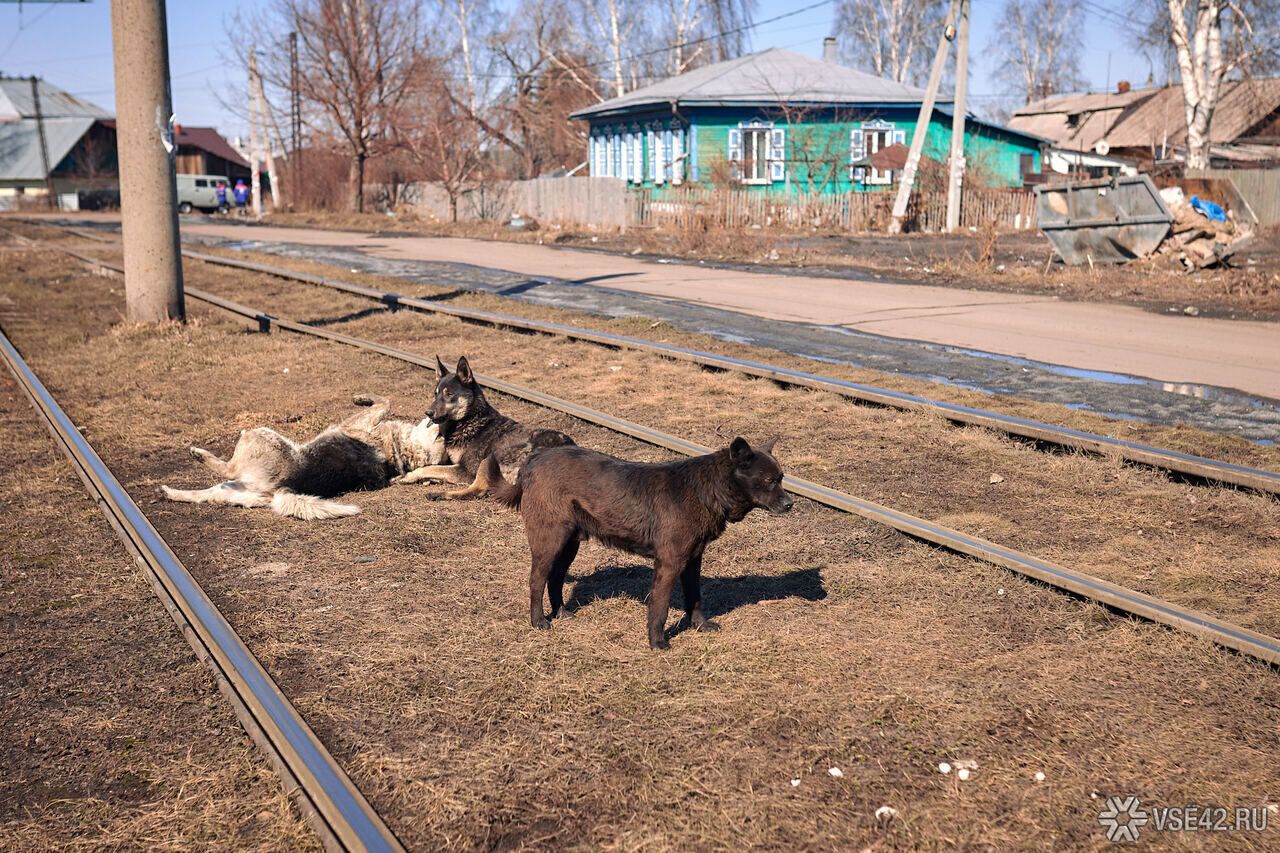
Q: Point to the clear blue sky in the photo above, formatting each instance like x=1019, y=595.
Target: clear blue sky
x=69, y=44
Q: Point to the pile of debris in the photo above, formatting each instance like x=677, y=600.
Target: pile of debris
x=1203, y=234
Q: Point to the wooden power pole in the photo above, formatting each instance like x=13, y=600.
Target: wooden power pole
x=51, y=199
x=268, y=119
x=922, y=123
x=144, y=136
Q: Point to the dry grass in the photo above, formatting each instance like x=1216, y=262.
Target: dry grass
x=844, y=645
x=116, y=737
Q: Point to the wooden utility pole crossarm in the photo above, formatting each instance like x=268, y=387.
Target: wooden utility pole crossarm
x=144, y=132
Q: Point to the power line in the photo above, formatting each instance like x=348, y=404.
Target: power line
x=22, y=27
x=667, y=49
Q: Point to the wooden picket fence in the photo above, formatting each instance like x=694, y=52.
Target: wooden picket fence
x=610, y=203
x=861, y=211
x=1259, y=187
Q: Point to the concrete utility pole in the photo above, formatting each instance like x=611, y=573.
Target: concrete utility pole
x=922, y=123
x=144, y=135
x=269, y=126
x=956, y=183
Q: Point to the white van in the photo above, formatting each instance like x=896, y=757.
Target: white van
x=199, y=192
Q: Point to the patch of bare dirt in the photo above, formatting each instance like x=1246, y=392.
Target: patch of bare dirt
x=402, y=633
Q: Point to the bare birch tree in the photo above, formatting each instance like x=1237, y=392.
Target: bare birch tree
x=607, y=29
x=730, y=27
x=548, y=80
x=357, y=62
x=890, y=38
x=1214, y=40
x=470, y=18
x=1038, y=44
x=702, y=31
x=440, y=137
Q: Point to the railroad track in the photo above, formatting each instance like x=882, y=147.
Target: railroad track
x=1156, y=457
x=1111, y=595
x=341, y=816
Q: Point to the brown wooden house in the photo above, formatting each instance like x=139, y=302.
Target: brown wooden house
x=203, y=151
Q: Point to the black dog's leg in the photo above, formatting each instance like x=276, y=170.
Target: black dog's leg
x=560, y=568
x=691, y=583
x=665, y=571
x=545, y=546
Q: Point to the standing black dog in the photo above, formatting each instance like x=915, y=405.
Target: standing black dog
x=471, y=430
x=669, y=512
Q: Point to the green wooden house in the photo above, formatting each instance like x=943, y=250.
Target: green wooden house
x=778, y=120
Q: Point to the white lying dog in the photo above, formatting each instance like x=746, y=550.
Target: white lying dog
x=299, y=480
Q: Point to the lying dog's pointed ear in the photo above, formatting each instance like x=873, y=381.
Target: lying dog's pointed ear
x=464, y=369
x=441, y=370
x=740, y=452
x=767, y=447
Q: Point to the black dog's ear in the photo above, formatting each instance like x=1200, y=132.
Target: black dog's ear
x=767, y=447
x=740, y=452
x=441, y=370
x=464, y=369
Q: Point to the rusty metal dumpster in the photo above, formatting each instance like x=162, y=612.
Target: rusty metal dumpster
x=1111, y=220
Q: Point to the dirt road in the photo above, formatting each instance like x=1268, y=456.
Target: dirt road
x=1243, y=355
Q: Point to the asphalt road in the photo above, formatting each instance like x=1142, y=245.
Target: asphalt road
x=1219, y=375
x=1174, y=349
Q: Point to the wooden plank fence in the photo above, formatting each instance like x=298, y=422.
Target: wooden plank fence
x=1259, y=187
x=609, y=203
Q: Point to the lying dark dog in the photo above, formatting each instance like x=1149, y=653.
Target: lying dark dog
x=471, y=430
x=669, y=512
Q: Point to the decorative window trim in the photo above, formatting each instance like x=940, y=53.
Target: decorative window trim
x=693, y=149
x=637, y=154
x=872, y=176
x=765, y=128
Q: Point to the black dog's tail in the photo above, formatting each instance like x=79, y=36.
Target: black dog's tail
x=507, y=494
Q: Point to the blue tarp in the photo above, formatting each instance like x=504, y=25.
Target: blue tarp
x=1208, y=208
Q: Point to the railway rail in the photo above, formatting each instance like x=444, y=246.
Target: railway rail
x=1111, y=595
x=341, y=816
x=1104, y=592
x=1165, y=459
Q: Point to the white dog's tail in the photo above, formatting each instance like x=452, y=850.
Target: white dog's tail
x=309, y=507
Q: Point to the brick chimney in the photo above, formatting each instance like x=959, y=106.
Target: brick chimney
x=829, y=49
x=1122, y=87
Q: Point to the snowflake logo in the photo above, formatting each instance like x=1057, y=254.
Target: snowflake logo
x=1123, y=818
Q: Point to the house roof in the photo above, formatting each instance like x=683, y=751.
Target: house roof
x=1146, y=117
x=768, y=77
x=16, y=101
x=208, y=139
x=20, y=144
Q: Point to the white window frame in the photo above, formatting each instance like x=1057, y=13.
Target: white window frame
x=877, y=134
x=754, y=159
x=680, y=165
x=655, y=173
